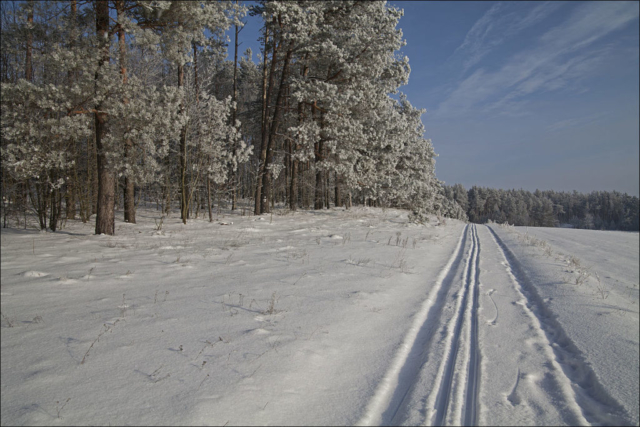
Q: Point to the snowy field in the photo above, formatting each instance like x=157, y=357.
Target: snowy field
x=326, y=317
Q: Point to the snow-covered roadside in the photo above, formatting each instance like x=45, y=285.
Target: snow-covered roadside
x=598, y=317
x=292, y=319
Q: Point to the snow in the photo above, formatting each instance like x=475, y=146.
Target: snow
x=599, y=319
x=319, y=317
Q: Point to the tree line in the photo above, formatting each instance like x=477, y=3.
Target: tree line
x=109, y=102
x=598, y=210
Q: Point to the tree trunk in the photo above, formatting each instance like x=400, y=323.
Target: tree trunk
x=73, y=188
x=129, y=186
x=39, y=203
x=337, y=195
x=167, y=188
x=287, y=172
x=71, y=194
x=209, y=199
x=319, y=197
x=327, y=193
x=28, y=75
x=28, y=67
x=295, y=166
x=234, y=171
x=93, y=160
x=56, y=206
x=105, y=219
x=275, y=123
x=266, y=95
x=184, y=198
x=293, y=192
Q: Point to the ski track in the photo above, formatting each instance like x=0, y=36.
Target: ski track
x=453, y=399
x=462, y=382
x=584, y=395
x=399, y=379
x=471, y=400
x=458, y=377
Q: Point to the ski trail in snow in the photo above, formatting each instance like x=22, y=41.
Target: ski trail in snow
x=400, y=377
x=584, y=395
x=471, y=399
x=441, y=410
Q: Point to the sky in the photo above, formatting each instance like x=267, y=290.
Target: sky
x=532, y=95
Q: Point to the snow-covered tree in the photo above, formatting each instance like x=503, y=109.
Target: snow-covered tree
x=88, y=74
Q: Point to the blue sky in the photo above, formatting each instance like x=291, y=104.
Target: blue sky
x=525, y=94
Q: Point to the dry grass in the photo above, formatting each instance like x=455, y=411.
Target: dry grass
x=271, y=308
x=601, y=287
x=104, y=331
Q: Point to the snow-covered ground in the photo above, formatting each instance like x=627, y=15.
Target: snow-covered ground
x=325, y=317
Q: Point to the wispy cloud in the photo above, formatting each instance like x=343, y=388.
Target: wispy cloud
x=575, y=121
x=557, y=58
x=498, y=24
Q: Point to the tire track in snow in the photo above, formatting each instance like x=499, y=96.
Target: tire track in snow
x=400, y=378
x=584, y=395
x=460, y=384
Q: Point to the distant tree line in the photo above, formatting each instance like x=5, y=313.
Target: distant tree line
x=598, y=210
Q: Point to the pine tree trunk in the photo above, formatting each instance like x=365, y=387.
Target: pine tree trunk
x=105, y=219
x=266, y=95
x=56, y=208
x=94, y=174
x=319, y=196
x=293, y=192
x=327, y=193
x=71, y=194
x=287, y=172
x=129, y=186
x=184, y=198
x=275, y=123
x=28, y=75
x=293, y=201
x=86, y=201
x=39, y=203
x=28, y=67
x=167, y=188
x=234, y=172
x=52, y=195
x=337, y=195
x=209, y=198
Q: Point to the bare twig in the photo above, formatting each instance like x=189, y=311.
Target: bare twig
x=106, y=329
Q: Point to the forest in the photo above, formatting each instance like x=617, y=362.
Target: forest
x=106, y=103
x=110, y=104
x=598, y=210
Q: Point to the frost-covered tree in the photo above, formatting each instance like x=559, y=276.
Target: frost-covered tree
x=331, y=68
x=94, y=90
x=40, y=120
x=137, y=94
